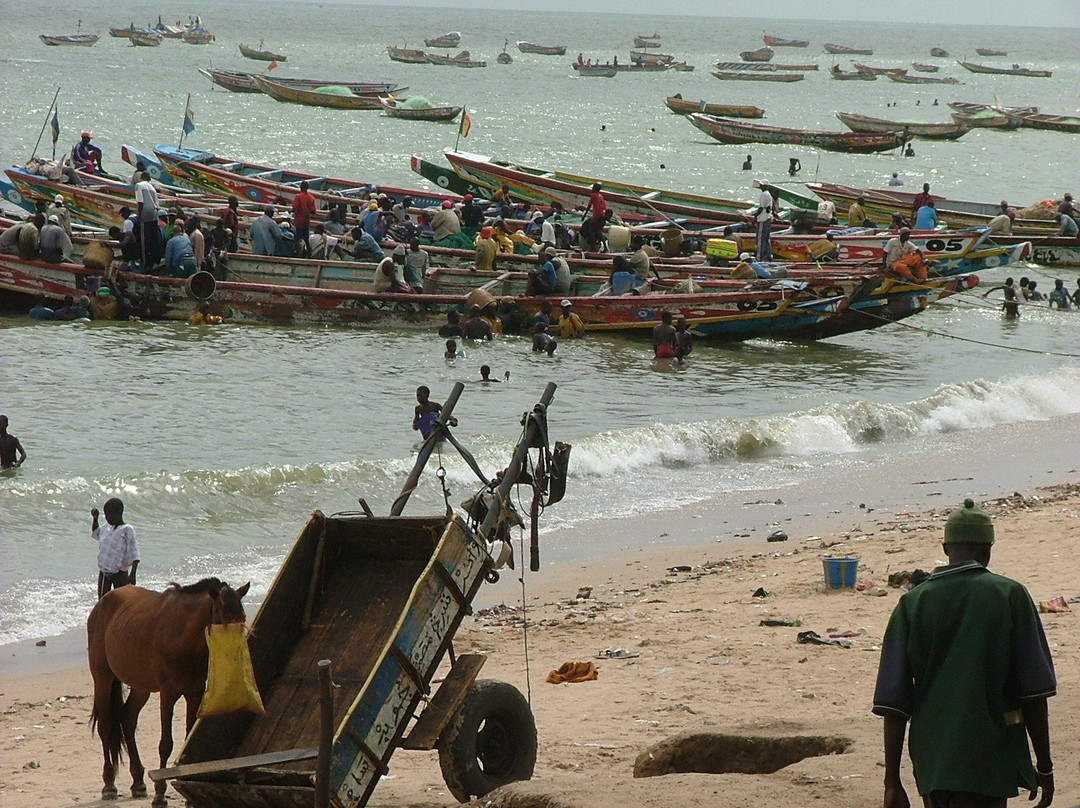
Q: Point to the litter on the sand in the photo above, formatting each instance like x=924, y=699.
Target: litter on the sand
x=680, y=568
x=782, y=621
x=570, y=672
x=813, y=638
x=777, y=535
x=761, y=592
x=1053, y=605
x=906, y=580
x=617, y=653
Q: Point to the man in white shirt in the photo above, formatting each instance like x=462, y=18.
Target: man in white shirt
x=146, y=200
x=766, y=206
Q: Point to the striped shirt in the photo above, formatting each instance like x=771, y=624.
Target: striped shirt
x=116, y=547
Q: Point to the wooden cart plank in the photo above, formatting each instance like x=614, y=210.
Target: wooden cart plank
x=446, y=701
x=232, y=764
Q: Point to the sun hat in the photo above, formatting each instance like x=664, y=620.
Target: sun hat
x=744, y=256
x=565, y=304
x=485, y=232
x=537, y=214
x=468, y=197
x=163, y=214
x=54, y=219
x=58, y=198
x=969, y=525
x=86, y=134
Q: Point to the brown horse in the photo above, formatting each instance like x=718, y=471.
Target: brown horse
x=154, y=642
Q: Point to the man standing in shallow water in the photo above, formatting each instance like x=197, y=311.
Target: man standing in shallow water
x=11, y=451
x=965, y=660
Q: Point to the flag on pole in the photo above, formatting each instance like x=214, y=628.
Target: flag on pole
x=189, y=117
x=55, y=126
x=271, y=66
x=466, y=124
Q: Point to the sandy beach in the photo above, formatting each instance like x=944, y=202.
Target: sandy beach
x=700, y=661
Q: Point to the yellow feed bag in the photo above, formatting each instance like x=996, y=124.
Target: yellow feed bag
x=230, y=680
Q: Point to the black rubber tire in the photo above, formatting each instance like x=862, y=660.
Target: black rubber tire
x=490, y=742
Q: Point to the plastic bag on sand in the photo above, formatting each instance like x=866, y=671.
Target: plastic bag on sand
x=230, y=680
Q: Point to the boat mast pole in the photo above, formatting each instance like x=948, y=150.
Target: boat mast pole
x=46, y=123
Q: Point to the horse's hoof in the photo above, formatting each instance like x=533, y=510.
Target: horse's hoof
x=109, y=793
x=160, y=802
x=138, y=790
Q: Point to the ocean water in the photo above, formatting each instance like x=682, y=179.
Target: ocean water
x=222, y=441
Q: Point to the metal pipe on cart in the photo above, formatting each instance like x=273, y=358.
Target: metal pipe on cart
x=426, y=450
x=521, y=453
x=326, y=734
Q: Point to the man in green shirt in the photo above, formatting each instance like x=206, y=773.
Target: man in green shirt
x=965, y=660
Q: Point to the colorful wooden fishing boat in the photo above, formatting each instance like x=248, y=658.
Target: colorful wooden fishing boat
x=78, y=40
x=394, y=109
x=851, y=75
x=124, y=33
x=786, y=309
x=922, y=67
x=844, y=49
x=198, y=36
x=406, y=55
x=543, y=186
x=1049, y=251
x=146, y=40
x=242, y=82
x=764, y=54
x=880, y=71
x=780, y=42
x=448, y=40
x=597, y=71
x=754, y=75
x=740, y=132
x=1015, y=70
x=267, y=185
x=930, y=131
x=631, y=67
x=990, y=52
x=645, y=56
x=907, y=79
x=881, y=204
x=941, y=53
x=338, y=97
x=462, y=59
x=767, y=67
x=868, y=244
x=261, y=55
x=678, y=104
x=987, y=119
x=1056, y=123
x=542, y=50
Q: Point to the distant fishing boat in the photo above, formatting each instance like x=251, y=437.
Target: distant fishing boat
x=760, y=55
x=753, y=75
x=681, y=106
x=398, y=109
x=742, y=133
x=79, y=40
x=261, y=55
x=844, y=49
x=449, y=40
x=780, y=42
x=151, y=40
x=941, y=53
x=406, y=55
x=1015, y=70
x=543, y=50
x=991, y=52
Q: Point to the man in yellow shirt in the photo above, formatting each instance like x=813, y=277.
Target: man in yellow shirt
x=486, y=250
x=856, y=214
x=569, y=324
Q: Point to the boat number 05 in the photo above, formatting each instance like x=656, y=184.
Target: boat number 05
x=941, y=245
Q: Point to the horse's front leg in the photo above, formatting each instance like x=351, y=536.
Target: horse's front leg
x=165, y=747
x=129, y=720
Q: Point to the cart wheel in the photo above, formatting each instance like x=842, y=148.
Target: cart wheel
x=491, y=741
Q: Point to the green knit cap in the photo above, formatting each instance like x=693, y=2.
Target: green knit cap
x=969, y=525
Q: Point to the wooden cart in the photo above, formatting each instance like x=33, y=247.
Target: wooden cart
x=382, y=598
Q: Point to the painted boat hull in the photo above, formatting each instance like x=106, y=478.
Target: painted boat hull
x=741, y=133
x=932, y=131
x=76, y=40
x=313, y=98
x=682, y=106
x=542, y=50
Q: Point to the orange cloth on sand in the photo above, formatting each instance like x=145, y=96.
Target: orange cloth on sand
x=911, y=267
x=573, y=672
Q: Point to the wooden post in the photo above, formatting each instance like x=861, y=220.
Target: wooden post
x=326, y=734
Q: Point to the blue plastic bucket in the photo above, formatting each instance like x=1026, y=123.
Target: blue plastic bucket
x=840, y=572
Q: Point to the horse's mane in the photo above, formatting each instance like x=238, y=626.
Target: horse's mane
x=205, y=585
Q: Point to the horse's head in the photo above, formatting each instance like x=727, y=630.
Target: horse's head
x=227, y=607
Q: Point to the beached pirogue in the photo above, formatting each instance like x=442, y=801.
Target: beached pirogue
x=368, y=607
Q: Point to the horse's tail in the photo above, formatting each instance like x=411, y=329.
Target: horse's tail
x=106, y=718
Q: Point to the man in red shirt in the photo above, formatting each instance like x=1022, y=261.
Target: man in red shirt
x=303, y=208
x=920, y=200
x=231, y=217
x=593, y=230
